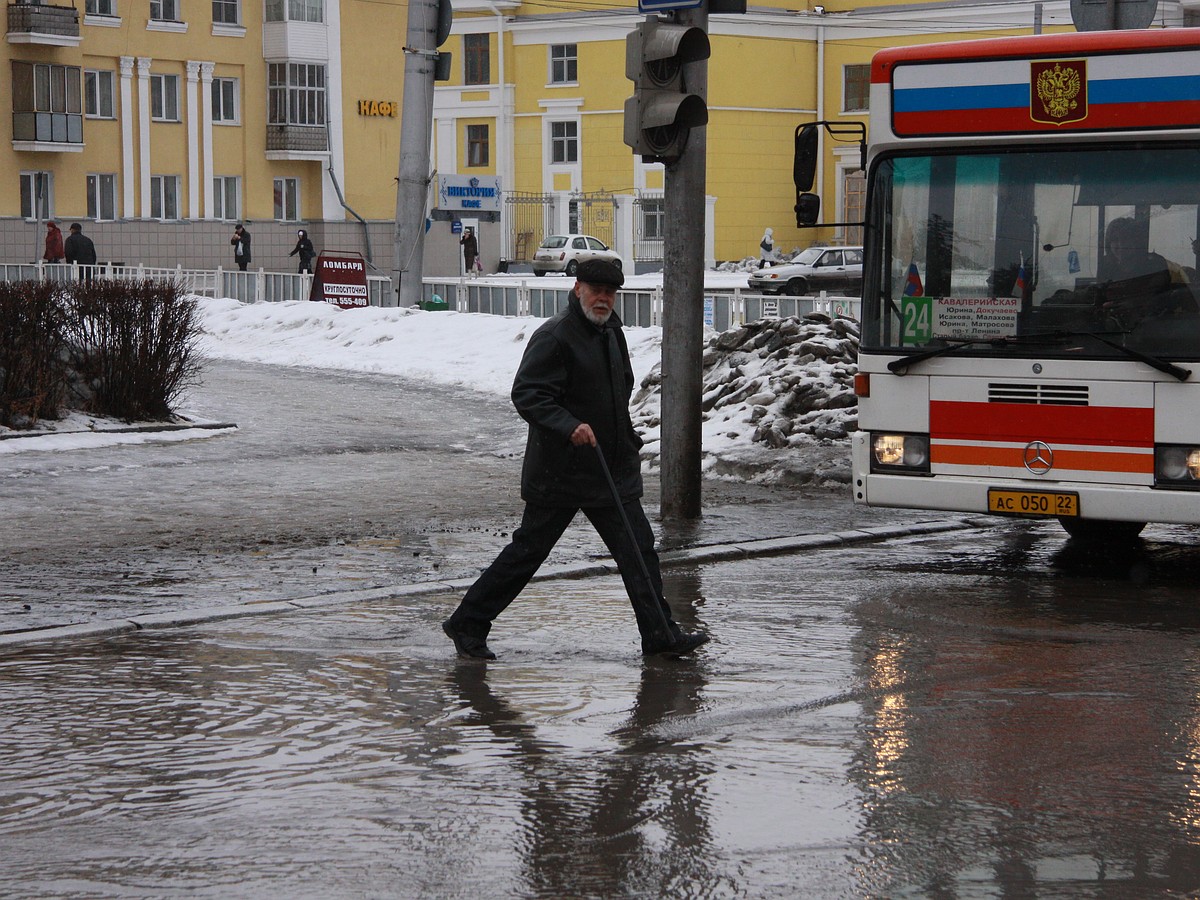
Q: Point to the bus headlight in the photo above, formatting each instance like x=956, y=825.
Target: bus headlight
x=1177, y=465
x=900, y=453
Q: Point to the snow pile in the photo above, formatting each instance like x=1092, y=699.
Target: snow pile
x=753, y=263
x=778, y=401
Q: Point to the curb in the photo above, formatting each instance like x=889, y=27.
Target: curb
x=153, y=428
x=694, y=556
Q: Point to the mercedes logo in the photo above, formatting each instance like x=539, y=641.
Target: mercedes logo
x=1038, y=457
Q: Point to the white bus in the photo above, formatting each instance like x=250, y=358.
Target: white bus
x=1030, y=325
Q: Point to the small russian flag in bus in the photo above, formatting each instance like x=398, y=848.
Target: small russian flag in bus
x=1019, y=287
x=912, y=282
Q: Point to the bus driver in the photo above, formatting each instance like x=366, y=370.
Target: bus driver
x=1136, y=282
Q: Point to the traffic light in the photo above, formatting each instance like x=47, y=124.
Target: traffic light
x=662, y=111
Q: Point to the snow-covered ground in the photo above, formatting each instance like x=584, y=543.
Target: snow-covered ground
x=471, y=350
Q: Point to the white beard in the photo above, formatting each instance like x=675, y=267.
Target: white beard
x=597, y=318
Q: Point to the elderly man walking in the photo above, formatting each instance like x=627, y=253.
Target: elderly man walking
x=573, y=388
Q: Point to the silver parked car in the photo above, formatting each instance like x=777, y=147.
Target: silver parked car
x=832, y=269
x=564, y=253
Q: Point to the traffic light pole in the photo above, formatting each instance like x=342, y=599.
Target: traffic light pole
x=683, y=306
x=416, y=126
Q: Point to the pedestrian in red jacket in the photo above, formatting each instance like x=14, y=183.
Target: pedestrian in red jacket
x=54, y=243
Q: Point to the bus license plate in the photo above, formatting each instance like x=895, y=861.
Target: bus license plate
x=1032, y=503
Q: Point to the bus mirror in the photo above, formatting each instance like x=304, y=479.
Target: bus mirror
x=808, y=209
x=804, y=163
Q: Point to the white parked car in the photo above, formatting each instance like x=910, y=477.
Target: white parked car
x=564, y=252
x=833, y=269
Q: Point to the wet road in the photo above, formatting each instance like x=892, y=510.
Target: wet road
x=978, y=714
x=332, y=481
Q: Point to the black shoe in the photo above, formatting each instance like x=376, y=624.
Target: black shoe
x=467, y=645
x=680, y=644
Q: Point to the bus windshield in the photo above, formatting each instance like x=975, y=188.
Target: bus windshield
x=1036, y=252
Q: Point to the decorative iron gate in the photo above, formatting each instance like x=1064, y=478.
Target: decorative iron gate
x=528, y=217
x=593, y=214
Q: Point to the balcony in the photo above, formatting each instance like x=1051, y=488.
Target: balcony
x=33, y=23
x=48, y=132
x=296, y=142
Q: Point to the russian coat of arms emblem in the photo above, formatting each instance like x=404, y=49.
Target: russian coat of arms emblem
x=1058, y=91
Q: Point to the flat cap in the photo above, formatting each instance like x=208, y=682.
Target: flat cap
x=600, y=271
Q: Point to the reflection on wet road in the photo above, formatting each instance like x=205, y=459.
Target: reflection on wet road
x=982, y=714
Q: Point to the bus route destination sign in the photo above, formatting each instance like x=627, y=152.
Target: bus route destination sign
x=341, y=280
x=958, y=318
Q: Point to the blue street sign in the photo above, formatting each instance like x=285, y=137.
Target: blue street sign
x=651, y=6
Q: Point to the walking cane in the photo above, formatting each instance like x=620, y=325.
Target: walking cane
x=612, y=486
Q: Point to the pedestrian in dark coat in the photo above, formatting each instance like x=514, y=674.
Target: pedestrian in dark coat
x=573, y=388
x=470, y=245
x=305, y=248
x=241, y=246
x=54, y=243
x=80, y=249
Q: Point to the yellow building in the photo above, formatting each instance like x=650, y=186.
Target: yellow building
x=158, y=123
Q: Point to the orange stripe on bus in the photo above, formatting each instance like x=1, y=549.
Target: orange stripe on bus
x=1013, y=458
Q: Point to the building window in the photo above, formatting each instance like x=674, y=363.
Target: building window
x=164, y=196
x=98, y=94
x=564, y=142
x=37, y=195
x=227, y=12
x=47, y=103
x=653, y=218
x=164, y=98
x=287, y=199
x=477, y=145
x=100, y=7
x=296, y=94
x=854, y=203
x=564, y=64
x=102, y=196
x=224, y=99
x=295, y=10
x=227, y=190
x=856, y=88
x=478, y=60
x=164, y=10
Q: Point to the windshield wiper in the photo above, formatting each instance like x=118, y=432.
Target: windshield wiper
x=1153, y=362
x=898, y=366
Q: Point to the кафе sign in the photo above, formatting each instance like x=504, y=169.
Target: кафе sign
x=378, y=108
x=469, y=193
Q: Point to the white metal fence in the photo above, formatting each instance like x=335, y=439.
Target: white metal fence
x=258, y=286
x=723, y=307
x=503, y=296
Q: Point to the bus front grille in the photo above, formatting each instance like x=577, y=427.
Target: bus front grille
x=1045, y=394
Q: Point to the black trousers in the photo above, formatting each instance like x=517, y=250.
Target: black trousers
x=541, y=527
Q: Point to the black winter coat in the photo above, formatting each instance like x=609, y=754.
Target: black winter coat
x=575, y=372
x=80, y=249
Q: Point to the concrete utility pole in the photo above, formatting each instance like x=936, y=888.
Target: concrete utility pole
x=683, y=305
x=416, y=127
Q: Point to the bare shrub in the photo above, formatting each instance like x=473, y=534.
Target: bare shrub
x=31, y=352
x=135, y=344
